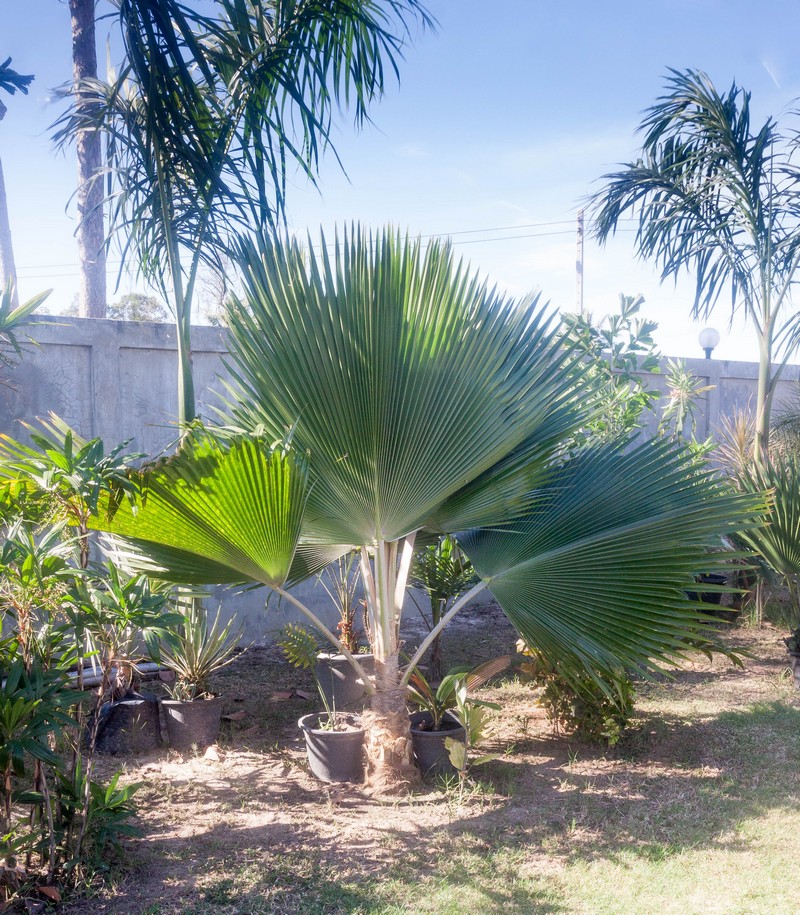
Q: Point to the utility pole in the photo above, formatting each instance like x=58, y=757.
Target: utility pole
x=579, y=264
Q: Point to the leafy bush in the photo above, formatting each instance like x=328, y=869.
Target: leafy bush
x=596, y=707
x=59, y=609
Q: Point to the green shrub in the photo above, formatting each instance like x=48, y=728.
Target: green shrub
x=596, y=708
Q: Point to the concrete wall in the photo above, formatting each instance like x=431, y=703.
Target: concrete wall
x=115, y=380
x=118, y=380
x=733, y=388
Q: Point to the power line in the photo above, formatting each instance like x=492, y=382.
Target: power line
x=472, y=241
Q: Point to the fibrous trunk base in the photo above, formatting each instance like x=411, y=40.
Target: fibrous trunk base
x=390, y=756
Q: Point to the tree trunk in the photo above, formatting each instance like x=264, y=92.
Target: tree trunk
x=436, y=661
x=390, y=755
x=763, y=396
x=8, y=272
x=91, y=231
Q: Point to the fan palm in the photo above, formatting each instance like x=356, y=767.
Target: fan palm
x=407, y=398
x=716, y=197
x=777, y=543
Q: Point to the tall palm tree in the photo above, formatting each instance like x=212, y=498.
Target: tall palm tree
x=11, y=82
x=211, y=107
x=88, y=146
x=383, y=393
x=717, y=197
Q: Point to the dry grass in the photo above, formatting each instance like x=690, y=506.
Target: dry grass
x=695, y=811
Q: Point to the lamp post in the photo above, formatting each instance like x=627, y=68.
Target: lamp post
x=708, y=339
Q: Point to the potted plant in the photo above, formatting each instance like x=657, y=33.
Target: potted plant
x=342, y=685
x=119, y=620
x=434, y=722
x=793, y=646
x=194, y=652
x=334, y=741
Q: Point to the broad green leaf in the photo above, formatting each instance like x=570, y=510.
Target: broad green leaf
x=404, y=377
x=596, y=576
x=217, y=512
x=457, y=751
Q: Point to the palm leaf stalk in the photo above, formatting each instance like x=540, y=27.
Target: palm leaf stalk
x=209, y=108
x=717, y=197
x=418, y=402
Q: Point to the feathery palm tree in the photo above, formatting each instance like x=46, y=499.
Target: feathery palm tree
x=717, y=197
x=211, y=106
x=11, y=82
x=381, y=393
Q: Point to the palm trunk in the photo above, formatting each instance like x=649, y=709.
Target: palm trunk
x=8, y=272
x=763, y=396
x=390, y=758
x=90, y=233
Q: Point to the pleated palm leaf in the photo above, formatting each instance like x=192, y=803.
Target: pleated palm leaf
x=425, y=402
x=777, y=543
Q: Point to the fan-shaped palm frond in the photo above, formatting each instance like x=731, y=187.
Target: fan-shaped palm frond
x=595, y=577
x=214, y=513
x=404, y=378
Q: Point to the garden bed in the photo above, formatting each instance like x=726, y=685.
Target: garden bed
x=694, y=811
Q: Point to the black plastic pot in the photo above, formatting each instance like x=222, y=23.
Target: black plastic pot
x=192, y=724
x=129, y=725
x=430, y=751
x=334, y=756
x=339, y=681
x=708, y=597
x=794, y=663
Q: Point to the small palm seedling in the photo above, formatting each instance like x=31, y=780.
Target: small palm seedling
x=300, y=649
x=472, y=715
x=438, y=702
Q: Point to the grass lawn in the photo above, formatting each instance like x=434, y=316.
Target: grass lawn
x=697, y=810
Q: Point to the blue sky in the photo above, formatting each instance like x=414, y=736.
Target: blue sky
x=503, y=121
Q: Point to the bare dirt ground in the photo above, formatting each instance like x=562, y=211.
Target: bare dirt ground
x=247, y=821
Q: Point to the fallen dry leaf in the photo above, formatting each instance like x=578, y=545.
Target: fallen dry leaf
x=212, y=753
x=235, y=716
x=51, y=892
x=281, y=695
x=303, y=694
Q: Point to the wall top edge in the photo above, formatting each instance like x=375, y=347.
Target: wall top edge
x=135, y=334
